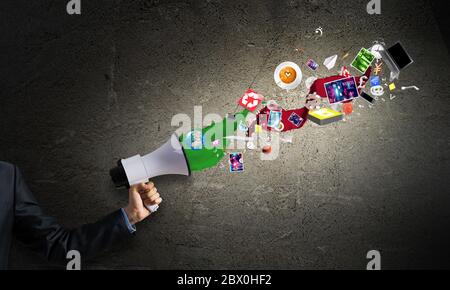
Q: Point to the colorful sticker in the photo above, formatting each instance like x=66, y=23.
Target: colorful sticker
x=236, y=162
x=295, y=119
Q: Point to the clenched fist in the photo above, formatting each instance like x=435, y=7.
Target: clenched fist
x=141, y=196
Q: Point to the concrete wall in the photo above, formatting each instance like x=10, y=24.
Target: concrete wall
x=79, y=92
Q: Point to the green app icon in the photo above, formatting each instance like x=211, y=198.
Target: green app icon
x=363, y=60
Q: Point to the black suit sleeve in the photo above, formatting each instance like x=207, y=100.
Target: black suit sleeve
x=44, y=235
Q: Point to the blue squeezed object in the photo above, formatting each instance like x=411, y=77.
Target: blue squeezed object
x=375, y=81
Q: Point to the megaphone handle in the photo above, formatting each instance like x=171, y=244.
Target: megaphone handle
x=152, y=208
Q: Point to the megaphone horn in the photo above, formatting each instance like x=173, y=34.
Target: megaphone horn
x=167, y=159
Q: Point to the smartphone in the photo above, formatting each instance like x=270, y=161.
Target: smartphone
x=367, y=97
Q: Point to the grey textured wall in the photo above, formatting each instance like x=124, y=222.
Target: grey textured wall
x=79, y=92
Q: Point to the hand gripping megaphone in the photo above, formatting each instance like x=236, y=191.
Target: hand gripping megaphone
x=167, y=159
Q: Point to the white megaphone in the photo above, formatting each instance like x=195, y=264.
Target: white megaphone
x=167, y=159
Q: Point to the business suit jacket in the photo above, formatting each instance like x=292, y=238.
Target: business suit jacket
x=21, y=216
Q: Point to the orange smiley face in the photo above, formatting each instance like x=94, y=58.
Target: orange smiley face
x=288, y=75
